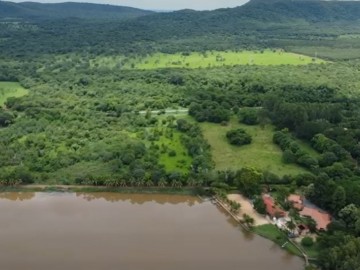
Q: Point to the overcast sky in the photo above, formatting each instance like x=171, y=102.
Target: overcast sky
x=159, y=4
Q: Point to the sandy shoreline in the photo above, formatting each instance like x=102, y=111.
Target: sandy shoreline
x=246, y=208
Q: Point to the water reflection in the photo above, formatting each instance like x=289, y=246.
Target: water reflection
x=140, y=198
x=249, y=236
x=17, y=196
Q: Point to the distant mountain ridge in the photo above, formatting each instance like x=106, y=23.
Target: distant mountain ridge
x=257, y=24
x=262, y=10
x=310, y=10
x=33, y=10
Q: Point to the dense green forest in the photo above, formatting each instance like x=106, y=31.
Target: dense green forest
x=115, y=100
x=38, y=11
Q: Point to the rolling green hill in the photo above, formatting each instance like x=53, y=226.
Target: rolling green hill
x=32, y=10
x=306, y=27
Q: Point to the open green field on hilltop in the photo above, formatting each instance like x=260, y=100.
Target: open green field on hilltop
x=262, y=153
x=206, y=59
x=11, y=89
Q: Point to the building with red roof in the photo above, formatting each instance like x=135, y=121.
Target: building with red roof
x=321, y=218
x=271, y=208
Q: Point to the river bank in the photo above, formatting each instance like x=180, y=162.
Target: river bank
x=86, y=188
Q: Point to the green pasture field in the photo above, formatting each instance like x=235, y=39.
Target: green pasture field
x=205, y=60
x=182, y=161
x=11, y=89
x=262, y=153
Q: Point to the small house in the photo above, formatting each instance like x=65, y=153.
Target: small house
x=271, y=208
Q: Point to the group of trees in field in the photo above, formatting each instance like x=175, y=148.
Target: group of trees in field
x=238, y=137
x=293, y=152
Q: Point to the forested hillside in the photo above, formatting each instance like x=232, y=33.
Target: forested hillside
x=38, y=11
x=325, y=28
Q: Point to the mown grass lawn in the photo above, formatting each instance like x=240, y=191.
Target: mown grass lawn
x=262, y=153
x=272, y=233
x=11, y=89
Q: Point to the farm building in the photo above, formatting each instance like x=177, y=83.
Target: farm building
x=271, y=208
x=322, y=219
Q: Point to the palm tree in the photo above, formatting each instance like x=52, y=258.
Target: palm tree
x=192, y=182
x=132, y=181
x=110, y=183
x=291, y=225
x=248, y=221
x=122, y=183
x=140, y=182
x=234, y=207
x=176, y=184
x=149, y=183
x=162, y=182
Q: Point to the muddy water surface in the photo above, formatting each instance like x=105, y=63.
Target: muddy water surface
x=111, y=231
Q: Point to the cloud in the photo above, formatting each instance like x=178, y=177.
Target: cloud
x=162, y=4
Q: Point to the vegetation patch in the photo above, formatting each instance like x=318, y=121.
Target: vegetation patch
x=207, y=59
x=173, y=155
x=11, y=89
x=272, y=233
x=262, y=153
x=238, y=137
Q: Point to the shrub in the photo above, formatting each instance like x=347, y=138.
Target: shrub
x=249, y=117
x=260, y=206
x=238, y=137
x=307, y=242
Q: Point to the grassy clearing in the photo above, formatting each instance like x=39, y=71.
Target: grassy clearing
x=205, y=60
x=272, y=233
x=262, y=153
x=307, y=148
x=182, y=161
x=11, y=89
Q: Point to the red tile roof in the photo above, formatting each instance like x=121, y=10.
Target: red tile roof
x=322, y=219
x=271, y=208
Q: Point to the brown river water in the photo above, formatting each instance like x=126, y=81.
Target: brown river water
x=112, y=231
